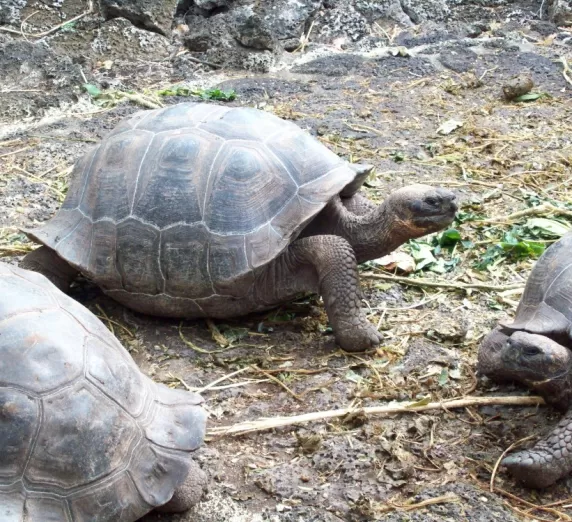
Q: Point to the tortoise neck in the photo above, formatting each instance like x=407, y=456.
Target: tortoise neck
x=374, y=234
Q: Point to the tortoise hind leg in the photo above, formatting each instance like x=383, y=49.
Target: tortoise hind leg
x=189, y=493
x=46, y=262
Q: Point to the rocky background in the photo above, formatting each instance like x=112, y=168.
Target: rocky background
x=61, y=43
x=414, y=87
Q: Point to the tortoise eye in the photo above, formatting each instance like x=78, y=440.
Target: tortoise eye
x=531, y=351
x=431, y=201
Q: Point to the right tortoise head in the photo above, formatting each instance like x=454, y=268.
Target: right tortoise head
x=533, y=360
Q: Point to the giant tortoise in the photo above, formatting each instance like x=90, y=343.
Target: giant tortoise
x=200, y=210
x=535, y=349
x=84, y=435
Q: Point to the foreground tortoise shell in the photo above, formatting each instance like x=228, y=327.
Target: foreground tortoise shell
x=84, y=435
x=266, y=180
x=536, y=350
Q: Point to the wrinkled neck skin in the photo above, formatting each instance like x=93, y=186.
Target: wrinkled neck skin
x=556, y=391
x=371, y=235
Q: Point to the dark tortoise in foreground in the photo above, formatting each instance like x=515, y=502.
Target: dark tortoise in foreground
x=535, y=349
x=199, y=210
x=85, y=436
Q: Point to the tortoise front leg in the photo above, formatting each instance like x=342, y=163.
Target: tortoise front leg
x=46, y=262
x=324, y=264
x=548, y=461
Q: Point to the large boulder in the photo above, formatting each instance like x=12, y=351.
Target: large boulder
x=10, y=11
x=153, y=15
x=560, y=11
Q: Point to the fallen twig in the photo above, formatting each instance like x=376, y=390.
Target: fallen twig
x=277, y=422
x=49, y=31
x=220, y=339
x=196, y=60
x=443, y=284
x=394, y=506
x=566, y=71
x=545, y=209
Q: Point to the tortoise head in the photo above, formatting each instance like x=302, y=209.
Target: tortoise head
x=422, y=209
x=489, y=359
x=539, y=363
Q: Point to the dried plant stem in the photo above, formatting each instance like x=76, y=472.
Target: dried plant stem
x=277, y=422
x=443, y=284
x=545, y=209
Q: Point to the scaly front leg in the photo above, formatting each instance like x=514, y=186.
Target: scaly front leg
x=326, y=264
x=548, y=461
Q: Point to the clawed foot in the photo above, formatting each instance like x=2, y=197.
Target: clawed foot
x=357, y=338
x=534, y=469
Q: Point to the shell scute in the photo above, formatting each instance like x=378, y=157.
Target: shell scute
x=227, y=262
x=84, y=436
x=19, y=419
x=244, y=123
x=546, y=304
x=44, y=358
x=115, y=500
x=111, y=180
x=137, y=257
x=184, y=261
x=249, y=188
x=171, y=177
x=305, y=158
x=181, y=115
x=156, y=474
x=45, y=509
x=15, y=302
x=116, y=376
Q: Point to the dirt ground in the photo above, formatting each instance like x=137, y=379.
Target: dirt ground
x=385, y=110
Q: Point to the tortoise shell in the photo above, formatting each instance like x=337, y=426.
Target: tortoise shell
x=546, y=304
x=85, y=435
x=181, y=204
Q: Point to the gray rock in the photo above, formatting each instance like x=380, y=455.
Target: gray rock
x=46, y=79
x=331, y=65
x=423, y=10
x=149, y=14
x=560, y=11
x=209, y=5
x=252, y=31
x=207, y=34
x=343, y=20
x=10, y=11
x=287, y=19
x=119, y=39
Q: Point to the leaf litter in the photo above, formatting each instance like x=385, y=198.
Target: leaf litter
x=510, y=165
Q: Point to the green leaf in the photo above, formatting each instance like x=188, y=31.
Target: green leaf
x=91, y=89
x=353, y=376
x=422, y=402
x=449, y=237
x=217, y=94
x=422, y=253
x=548, y=227
x=443, y=377
x=522, y=249
x=531, y=96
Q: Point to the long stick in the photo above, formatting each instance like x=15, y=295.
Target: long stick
x=441, y=284
x=277, y=422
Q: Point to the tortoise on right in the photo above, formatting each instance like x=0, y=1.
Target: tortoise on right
x=535, y=349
